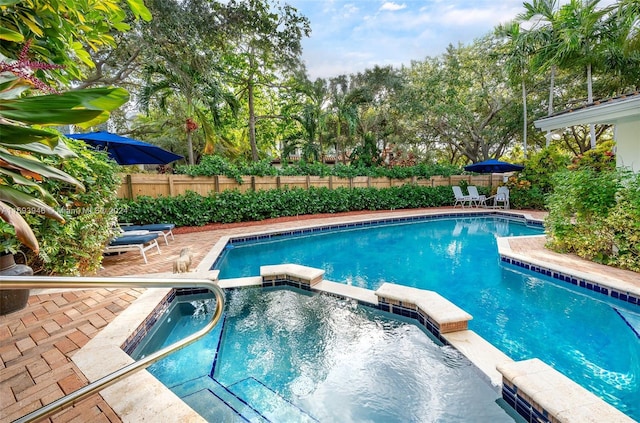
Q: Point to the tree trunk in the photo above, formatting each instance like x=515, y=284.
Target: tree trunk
x=524, y=113
x=552, y=84
x=252, y=123
x=592, y=128
x=190, y=147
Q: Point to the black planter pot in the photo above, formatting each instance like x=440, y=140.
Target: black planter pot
x=13, y=299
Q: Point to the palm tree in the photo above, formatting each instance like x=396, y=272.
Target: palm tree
x=541, y=19
x=622, y=51
x=346, y=111
x=308, y=119
x=520, y=47
x=190, y=80
x=375, y=91
x=580, y=41
x=314, y=114
x=629, y=12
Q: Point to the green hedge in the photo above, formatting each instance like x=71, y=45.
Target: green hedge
x=230, y=206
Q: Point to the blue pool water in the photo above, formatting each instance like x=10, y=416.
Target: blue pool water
x=290, y=357
x=524, y=315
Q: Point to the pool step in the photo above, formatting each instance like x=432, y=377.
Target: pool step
x=268, y=402
x=216, y=403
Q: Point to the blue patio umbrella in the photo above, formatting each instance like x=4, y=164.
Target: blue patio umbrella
x=127, y=151
x=492, y=166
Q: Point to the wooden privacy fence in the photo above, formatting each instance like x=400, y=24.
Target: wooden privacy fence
x=162, y=185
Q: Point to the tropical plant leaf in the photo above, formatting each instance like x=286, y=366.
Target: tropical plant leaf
x=82, y=54
x=21, y=180
x=51, y=116
x=139, y=10
x=55, y=108
x=102, y=117
x=30, y=21
x=11, y=87
x=9, y=2
x=27, y=203
x=60, y=149
x=11, y=136
x=103, y=98
x=9, y=35
x=23, y=231
x=35, y=166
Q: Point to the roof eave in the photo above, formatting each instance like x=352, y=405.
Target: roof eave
x=602, y=113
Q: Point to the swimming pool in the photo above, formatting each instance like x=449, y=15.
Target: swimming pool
x=525, y=315
x=290, y=357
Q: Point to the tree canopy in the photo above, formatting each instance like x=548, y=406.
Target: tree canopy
x=227, y=77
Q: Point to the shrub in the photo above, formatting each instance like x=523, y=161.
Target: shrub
x=76, y=247
x=600, y=158
x=624, y=224
x=211, y=165
x=596, y=215
x=528, y=190
x=261, y=168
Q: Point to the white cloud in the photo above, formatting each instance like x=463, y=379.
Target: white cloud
x=391, y=6
x=486, y=17
x=349, y=10
x=349, y=36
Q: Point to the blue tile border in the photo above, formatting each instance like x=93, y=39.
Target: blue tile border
x=577, y=282
x=132, y=342
x=223, y=322
x=522, y=406
x=415, y=313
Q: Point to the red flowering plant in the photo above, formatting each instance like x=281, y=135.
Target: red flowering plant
x=25, y=138
x=599, y=159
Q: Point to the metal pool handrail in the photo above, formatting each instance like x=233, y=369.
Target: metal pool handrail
x=22, y=282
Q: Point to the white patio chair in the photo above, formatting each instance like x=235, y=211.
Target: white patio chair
x=476, y=199
x=501, y=197
x=460, y=197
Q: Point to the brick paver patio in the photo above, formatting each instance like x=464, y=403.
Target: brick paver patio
x=37, y=343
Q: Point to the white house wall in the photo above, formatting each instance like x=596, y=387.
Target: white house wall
x=627, y=136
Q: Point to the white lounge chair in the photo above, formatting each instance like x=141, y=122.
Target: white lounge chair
x=141, y=241
x=460, y=197
x=476, y=199
x=501, y=197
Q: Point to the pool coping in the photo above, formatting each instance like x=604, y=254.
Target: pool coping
x=133, y=407
x=609, y=286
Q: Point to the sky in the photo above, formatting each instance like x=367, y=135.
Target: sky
x=349, y=36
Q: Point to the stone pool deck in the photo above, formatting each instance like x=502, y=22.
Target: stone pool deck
x=37, y=343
